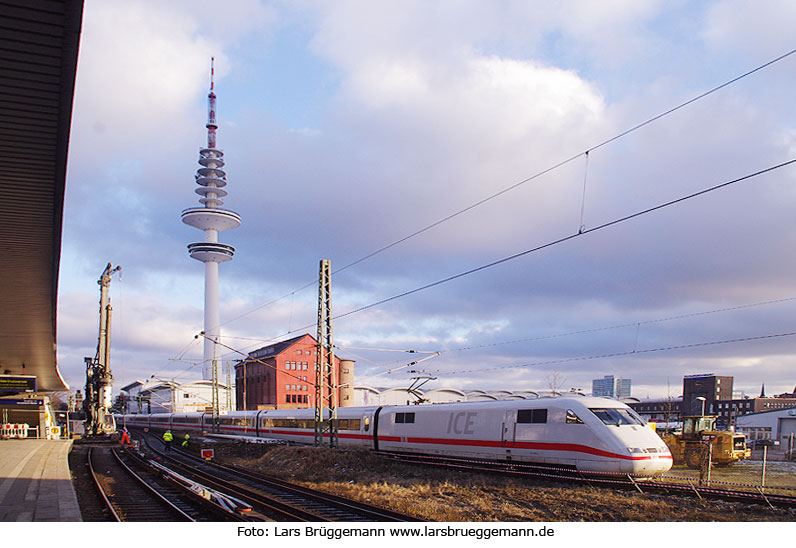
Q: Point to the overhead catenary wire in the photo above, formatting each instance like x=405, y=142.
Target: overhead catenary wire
x=394, y=369
x=623, y=325
x=249, y=357
x=569, y=237
x=636, y=324
x=573, y=158
x=533, y=177
x=385, y=349
x=620, y=354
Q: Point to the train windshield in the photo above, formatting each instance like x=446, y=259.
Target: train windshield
x=617, y=417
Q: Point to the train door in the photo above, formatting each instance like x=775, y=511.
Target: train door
x=508, y=432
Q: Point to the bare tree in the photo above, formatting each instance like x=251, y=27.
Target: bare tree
x=555, y=380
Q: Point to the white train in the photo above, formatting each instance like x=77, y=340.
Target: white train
x=574, y=433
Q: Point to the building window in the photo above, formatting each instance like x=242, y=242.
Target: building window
x=287, y=387
x=287, y=366
x=298, y=351
x=287, y=398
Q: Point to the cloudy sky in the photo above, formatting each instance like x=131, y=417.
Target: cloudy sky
x=349, y=126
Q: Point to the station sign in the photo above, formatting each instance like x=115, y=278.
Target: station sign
x=31, y=402
x=15, y=384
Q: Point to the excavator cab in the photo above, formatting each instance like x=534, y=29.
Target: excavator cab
x=694, y=426
x=700, y=439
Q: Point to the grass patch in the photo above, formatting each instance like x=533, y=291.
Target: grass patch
x=437, y=494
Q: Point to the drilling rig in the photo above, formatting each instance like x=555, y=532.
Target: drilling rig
x=97, y=402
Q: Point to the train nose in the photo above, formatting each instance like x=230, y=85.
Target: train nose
x=659, y=466
x=654, y=465
x=651, y=461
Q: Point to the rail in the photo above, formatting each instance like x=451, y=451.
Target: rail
x=280, y=499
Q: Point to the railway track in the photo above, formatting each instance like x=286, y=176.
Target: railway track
x=608, y=480
x=132, y=491
x=128, y=496
x=277, y=499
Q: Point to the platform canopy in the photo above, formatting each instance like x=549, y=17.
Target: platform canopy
x=39, y=42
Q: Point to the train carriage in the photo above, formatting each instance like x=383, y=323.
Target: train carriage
x=581, y=433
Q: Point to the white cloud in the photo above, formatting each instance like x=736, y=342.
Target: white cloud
x=753, y=30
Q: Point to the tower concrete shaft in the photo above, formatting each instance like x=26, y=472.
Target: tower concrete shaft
x=211, y=219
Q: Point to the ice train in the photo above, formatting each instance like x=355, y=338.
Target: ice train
x=586, y=434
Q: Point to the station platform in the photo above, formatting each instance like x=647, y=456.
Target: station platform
x=35, y=482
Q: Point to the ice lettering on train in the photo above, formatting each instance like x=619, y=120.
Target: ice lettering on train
x=462, y=422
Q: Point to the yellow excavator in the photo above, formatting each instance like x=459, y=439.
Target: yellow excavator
x=700, y=439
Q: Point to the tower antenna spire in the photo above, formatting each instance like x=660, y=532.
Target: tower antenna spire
x=212, y=126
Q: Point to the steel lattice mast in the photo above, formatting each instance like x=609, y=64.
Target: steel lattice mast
x=211, y=219
x=325, y=372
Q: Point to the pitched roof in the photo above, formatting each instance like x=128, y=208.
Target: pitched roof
x=277, y=348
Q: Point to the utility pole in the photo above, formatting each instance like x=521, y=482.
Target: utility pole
x=216, y=423
x=325, y=371
x=229, y=388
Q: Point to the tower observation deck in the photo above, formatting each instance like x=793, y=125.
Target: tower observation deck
x=211, y=219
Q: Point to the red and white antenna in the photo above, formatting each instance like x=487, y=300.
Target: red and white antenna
x=211, y=109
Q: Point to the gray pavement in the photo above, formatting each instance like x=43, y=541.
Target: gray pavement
x=35, y=482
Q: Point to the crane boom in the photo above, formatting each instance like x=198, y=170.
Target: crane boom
x=99, y=380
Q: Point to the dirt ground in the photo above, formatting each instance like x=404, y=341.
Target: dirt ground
x=436, y=494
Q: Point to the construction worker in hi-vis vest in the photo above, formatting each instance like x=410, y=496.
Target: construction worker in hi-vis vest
x=167, y=438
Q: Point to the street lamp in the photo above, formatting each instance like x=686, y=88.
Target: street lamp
x=702, y=399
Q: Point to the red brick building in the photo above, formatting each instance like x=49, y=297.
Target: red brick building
x=282, y=376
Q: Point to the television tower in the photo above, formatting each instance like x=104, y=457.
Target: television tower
x=211, y=219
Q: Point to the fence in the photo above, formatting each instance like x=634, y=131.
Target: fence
x=767, y=471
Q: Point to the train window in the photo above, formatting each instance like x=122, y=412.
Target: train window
x=531, y=416
x=617, y=417
x=573, y=418
x=404, y=418
x=348, y=424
